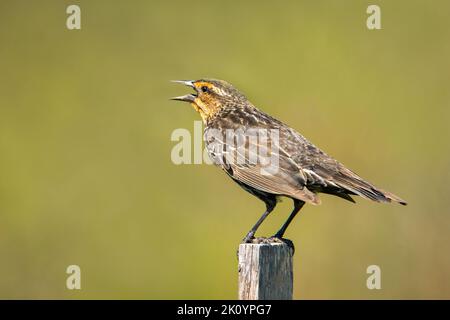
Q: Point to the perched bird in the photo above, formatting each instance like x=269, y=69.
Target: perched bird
x=302, y=170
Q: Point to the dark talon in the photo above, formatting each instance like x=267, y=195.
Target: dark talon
x=288, y=242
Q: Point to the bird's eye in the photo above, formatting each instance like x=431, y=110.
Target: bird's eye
x=204, y=89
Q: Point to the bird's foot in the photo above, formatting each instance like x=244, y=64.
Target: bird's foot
x=263, y=240
x=249, y=238
x=278, y=239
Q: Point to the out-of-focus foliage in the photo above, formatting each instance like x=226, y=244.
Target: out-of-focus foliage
x=85, y=122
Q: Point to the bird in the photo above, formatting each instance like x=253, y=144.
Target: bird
x=302, y=170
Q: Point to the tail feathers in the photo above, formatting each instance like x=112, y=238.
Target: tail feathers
x=375, y=194
x=340, y=193
x=393, y=197
x=353, y=183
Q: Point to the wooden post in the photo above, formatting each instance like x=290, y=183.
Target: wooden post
x=265, y=271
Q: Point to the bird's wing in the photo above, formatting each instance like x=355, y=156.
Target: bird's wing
x=274, y=173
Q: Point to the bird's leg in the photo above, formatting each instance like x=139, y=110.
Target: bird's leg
x=297, y=206
x=250, y=235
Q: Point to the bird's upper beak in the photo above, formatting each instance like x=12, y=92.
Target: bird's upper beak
x=188, y=97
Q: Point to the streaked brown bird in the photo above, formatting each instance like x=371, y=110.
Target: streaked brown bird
x=302, y=171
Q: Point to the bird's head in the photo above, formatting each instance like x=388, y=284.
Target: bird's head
x=210, y=96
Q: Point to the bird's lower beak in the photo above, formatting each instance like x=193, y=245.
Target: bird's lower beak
x=188, y=97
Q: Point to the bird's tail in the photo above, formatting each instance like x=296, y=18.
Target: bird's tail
x=393, y=197
x=355, y=184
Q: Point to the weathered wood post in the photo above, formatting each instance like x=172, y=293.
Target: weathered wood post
x=265, y=271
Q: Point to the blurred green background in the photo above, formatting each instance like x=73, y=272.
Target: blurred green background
x=85, y=122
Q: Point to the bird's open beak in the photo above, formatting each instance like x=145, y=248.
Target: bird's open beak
x=188, y=97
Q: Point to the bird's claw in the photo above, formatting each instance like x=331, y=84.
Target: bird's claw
x=248, y=238
x=262, y=240
x=289, y=243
